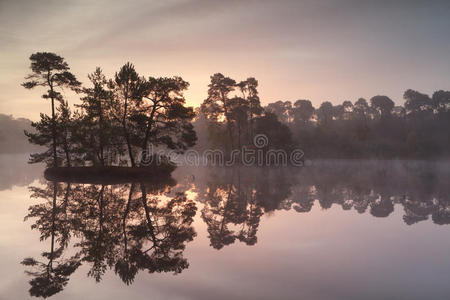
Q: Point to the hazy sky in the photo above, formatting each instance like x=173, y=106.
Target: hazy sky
x=306, y=49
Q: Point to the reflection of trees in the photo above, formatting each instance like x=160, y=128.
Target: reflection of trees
x=159, y=237
x=145, y=227
x=235, y=199
x=126, y=228
x=421, y=189
x=97, y=209
x=228, y=205
x=51, y=277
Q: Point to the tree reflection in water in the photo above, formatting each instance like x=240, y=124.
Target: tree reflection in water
x=145, y=226
x=235, y=199
x=127, y=228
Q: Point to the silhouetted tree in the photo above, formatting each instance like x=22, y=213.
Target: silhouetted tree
x=383, y=105
x=163, y=115
x=51, y=71
x=128, y=92
x=361, y=109
x=283, y=110
x=441, y=101
x=52, y=221
x=96, y=127
x=325, y=113
x=417, y=103
x=216, y=106
x=302, y=112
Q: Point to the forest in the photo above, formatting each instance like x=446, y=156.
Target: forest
x=420, y=129
x=118, y=119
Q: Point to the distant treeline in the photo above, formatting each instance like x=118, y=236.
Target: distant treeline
x=12, y=139
x=420, y=129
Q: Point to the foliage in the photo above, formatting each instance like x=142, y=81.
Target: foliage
x=126, y=228
x=117, y=120
x=418, y=130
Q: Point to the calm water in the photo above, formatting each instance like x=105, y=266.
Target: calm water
x=331, y=230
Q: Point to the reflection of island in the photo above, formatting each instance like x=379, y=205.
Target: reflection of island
x=127, y=228
x=235, y=199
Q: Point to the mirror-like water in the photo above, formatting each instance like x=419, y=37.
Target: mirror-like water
x=330, y=230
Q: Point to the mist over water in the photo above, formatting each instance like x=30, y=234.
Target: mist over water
x=332, y=229
x=15, y=171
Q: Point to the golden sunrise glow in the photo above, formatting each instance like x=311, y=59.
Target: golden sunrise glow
x=334, y=51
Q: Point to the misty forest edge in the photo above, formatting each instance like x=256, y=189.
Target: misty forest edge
x=119, y=118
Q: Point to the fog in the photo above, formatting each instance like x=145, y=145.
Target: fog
x=12, y=137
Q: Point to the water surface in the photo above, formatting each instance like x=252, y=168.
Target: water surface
x=330, y=230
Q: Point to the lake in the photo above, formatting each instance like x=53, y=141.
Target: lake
x=327, y=230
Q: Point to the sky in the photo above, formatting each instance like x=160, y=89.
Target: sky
x=321, y=50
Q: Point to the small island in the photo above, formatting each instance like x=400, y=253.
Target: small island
x=112, y=133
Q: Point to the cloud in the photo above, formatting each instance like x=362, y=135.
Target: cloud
x=317, y=49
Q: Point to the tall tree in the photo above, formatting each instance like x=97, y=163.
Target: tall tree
x=249, y=90
x=325, y=113
x=382, y=104
x=51, y=276
x=65, y=128
x=417, y=103
x=216, y=106
x=163, y=116
x=239, y=114
x=347, y=107
x=302, y=111
x=97, y=123
x=441, y=101
x=51, y=71
x=361, y=109
x=128, y=87
x=282, y=110
x=234, y=113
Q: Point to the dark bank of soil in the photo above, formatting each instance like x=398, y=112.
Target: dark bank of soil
x=108, y=175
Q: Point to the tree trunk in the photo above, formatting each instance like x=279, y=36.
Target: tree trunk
x=124, y=219
x=55, y=160
x=102, y=135
x=66, y=150
x=130, y=150
x=144, y=153
x=52, y=246
x=67, y=157
x=225, y=109
x=125, y=131
x=150, y=226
